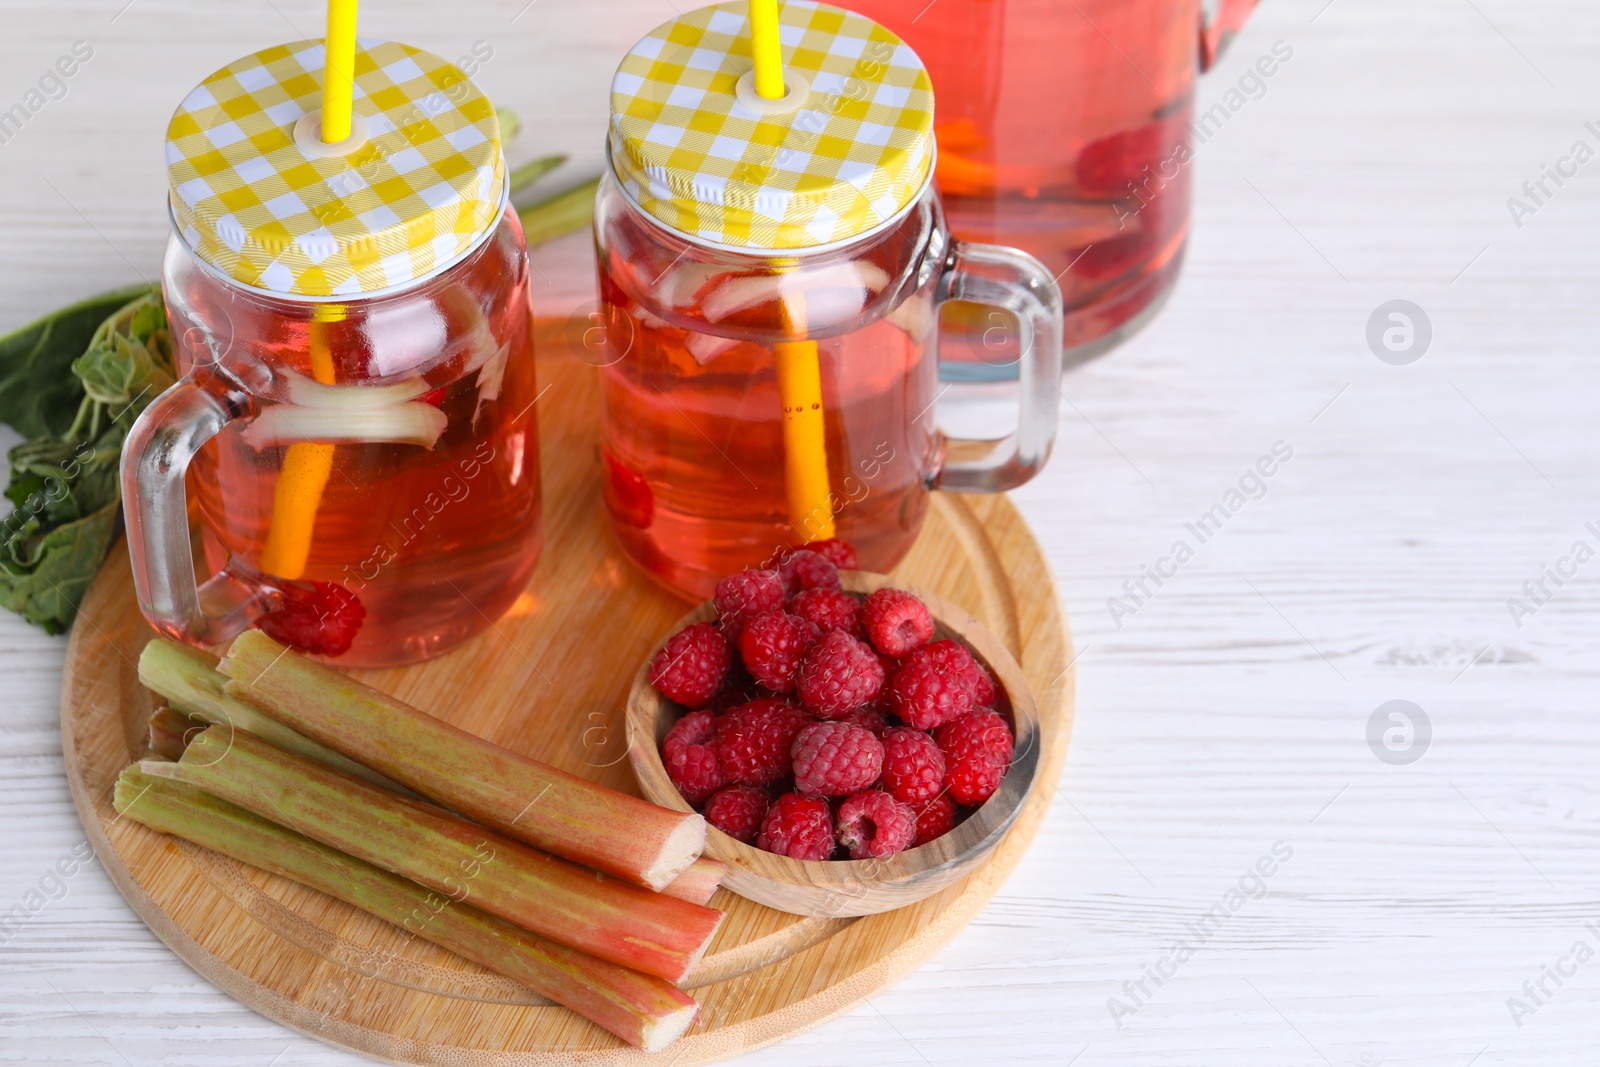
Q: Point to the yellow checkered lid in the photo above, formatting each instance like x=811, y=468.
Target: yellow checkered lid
x=847, y=148
x=255, y=194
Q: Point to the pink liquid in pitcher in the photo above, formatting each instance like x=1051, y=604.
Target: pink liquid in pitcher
x=1063, y=130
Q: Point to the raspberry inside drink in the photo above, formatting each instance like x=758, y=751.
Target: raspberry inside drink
x=434, y=540
x=693, y=452
x=1063, y=130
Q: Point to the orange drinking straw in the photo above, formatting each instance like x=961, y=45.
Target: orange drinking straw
x=799, y=368
x=307, y=465
x=805, y=450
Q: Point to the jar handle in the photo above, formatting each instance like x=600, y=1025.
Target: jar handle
x=1011, y=280
x=155, y=460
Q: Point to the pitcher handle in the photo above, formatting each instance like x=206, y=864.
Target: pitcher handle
x=1011, y=280
x=155, y=460
x=1217, y=30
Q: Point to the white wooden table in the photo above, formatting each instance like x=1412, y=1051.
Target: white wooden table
x=1228, y=715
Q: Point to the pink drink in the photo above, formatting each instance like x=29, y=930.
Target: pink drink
x=693, y=454
x=1063, y=130
x=435, y=541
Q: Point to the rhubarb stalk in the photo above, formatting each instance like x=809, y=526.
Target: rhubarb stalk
x=642, y=1010
x=188, y=678
x=613, y=832
x=171, y=731
x=586, y=910
x=698, y=883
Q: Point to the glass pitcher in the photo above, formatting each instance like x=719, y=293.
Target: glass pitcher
x=355, y=422
x=1065, y=129
x=730, y=319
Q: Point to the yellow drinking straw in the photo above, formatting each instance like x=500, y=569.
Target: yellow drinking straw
x=765, y=50
x=339, y=71
x=307, y=465
x=805, y=465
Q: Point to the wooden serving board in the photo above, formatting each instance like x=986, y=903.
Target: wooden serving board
x=551, y=680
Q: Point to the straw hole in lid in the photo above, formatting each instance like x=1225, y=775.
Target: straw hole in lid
x=796, y=89
x=308, y=136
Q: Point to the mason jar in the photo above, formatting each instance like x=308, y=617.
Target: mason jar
x=769, y=313
x=354, y=428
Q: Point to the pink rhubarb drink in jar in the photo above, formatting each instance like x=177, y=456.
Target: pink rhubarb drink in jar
x=355, y=424
x=770, y=277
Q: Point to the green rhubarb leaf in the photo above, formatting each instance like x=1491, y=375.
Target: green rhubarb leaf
x=129, y=360
x=47, y=482
x=115, y=354
x=44, y=575
x=120, y=371
x=38, y=394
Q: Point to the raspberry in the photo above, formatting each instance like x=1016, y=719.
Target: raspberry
x=931, y=688
x=828, y=610
x=835, y=759
x=690, y=753
x=804, y=569
x=869, y=718
x=985, y=690
x=839, y=674
x=737, y=810
x=913, y=766
x=741, y=597
x=317, y=618
x=977, y=751
x=798, y=827
x=896, y=621
x=954, y=659
x=935, y=819
x=841, y=554
x=874, y=825
x=692, y=665
x=754, y=739
x=773, y=646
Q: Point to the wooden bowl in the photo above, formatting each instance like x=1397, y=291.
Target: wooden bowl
x=853, y=887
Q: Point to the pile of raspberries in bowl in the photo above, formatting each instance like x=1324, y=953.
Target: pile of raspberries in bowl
x=821, y=724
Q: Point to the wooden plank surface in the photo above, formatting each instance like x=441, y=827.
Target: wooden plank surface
x=1418, y=898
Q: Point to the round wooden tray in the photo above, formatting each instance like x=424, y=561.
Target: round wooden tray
x=551, y=680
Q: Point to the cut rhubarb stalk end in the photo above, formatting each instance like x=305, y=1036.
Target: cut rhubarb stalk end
x=644, y=843
x=171, y=731
x=317, y=618
x=699, y=882
x=644, y=1011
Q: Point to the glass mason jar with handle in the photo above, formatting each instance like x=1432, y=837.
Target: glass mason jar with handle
x=1066, y=128
x=355, y=423
x=770, y=275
